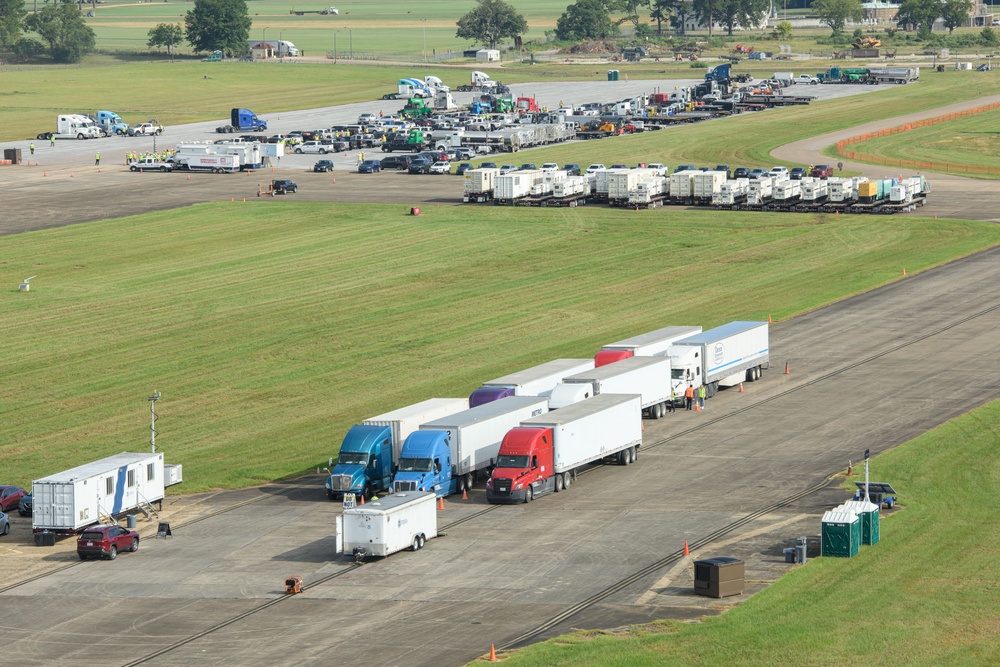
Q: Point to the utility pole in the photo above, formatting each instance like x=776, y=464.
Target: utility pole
x=152, y=420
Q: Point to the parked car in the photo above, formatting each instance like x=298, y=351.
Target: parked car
x=684, y=167
x=759, y=172
x=145, y=130
x=527, y=166
x=572, y=169
x=723, y=168
x=778, y=171
x=806, y=78
x=507, y=168
x=106, y=542
x=550, y=166
x=283, y=186
x=313, y=147
x=4, y=523
x=323, y=165
x=462, y=168
x=488, y=165
x=24, y=507
x=797, y=173
x=741, y=172
x=419, y=166
x=10, y=497
x=658, y=167
x=821, y=171
x=464, y=153
x=397, y=162
x=366, y=118
x=369, y=166
x=618, y=166
x=594, y=168
x=440, y=168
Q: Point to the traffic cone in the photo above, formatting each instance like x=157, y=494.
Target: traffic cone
x=335, y=181
x=769, y=318
x=904, y=271
x=687, y=552
x=362, y=499
x=786, y=369
x=189, y=177
x=741, y=387
x=850, y=469
x=71, y=175
x=44, y=173
x=440, y=503
x=696, y=407
x=493, y=653
x=232, y=199
x=465, y=495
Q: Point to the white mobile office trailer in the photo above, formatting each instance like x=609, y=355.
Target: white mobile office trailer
x=76, y=498
x=382, y=527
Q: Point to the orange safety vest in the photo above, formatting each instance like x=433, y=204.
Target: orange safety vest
x=689, y=392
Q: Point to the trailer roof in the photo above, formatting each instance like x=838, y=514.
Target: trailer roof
x=417, y=409
x=581, y=409
x=539, y=371
x=618, y=367
x=654, y=336
x=103, y=465
x=484, y=412
x=389, y=502
x=724, y=331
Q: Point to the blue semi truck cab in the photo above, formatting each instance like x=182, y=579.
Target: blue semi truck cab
x=425, y=464
x=364, y=465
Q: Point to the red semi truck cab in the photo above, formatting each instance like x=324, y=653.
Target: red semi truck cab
x=524, y=467
x=605, y=357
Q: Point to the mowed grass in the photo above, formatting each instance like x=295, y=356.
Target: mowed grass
x=924, y=596
x=972, y=140
x=271, y=328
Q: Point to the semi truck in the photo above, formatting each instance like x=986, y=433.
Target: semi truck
x=535, y=381
x=242, y=120
x=73, y=126
x=543, y=454
x=649, y=377
x=653, y=344
x=388, y=525
x=370, y=449
x=721, y=357
x=446, y=455
x=111, y=123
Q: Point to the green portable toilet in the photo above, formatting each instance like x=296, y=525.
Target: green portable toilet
x=841, y=534
x=869, y=515
x=611, y=75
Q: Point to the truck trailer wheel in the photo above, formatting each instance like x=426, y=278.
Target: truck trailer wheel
x=529, y=495
x=415, y=544
x=567, y=480
x=559, y=483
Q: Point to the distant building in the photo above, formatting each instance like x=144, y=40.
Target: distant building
x=880, y=12
x=692, y=23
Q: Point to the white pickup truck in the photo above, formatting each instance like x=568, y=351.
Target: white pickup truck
x=145, y=130
x=807, y=79
x=150, y=164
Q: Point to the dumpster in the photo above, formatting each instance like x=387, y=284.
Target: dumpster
x=719, y=577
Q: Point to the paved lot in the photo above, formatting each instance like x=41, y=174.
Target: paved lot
x=869, y=372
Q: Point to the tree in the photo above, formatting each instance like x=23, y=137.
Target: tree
x=988, y=37
x=585, y=19
x=631, y=9
x=752, y=12
x=955, y=13
x=661, y=11
x=784, y=30
x=11, y=19
x=63, y=29
x=166, y=34
x=682, y=12
x=491, y=21
x=836, y=13
x=707, y=12
x=920, y=13
x=218, y=25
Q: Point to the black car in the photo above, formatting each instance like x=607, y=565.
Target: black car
x=488, y=165
x=397, y=162
x=283, y=186
x=684, y=167
x=723, y=168
x=797, y=173
x=323, y=165
x=24, y=507
x=420, y=166
x=572, y=169
x=527, y=166
x=741, y=172
x=462, y=168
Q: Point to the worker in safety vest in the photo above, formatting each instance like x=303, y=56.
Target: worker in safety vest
x=701, y=397
x=689, y=397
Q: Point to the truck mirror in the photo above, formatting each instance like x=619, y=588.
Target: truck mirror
x=330, y=462
x=327, y=471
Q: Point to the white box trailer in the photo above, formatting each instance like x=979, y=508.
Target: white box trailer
x=591, y=430
x=404, y=520
x=721, y=357
x=535, y=381
x=217, y=164
x=649, y=377
x=572, y=186
x=69, y=501
x=405, y=421
x=479, y=184
x=652, y=344
x=475, y=434
x=647, y=191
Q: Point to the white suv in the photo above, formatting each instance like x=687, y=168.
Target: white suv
x=593, y=169
x=313, y=147
x=550, y=166
x=778, y=171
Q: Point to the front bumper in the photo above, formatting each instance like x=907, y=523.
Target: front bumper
x=512, y=498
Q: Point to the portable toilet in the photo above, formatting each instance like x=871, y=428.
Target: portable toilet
x=841, y=534
x=868, y=513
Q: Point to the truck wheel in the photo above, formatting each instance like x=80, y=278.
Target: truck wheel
x=567, y=480
x=529, y=495
x=367, y=493
x=423, y=540
x=469, y=481
x=415, y=544
x=80, y=136
x=559, y=483
x=133, y=168
x=330, y=494
x=135, y=544
x=163, y=169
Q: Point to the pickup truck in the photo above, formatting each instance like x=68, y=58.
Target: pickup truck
x=150, y=164
x=145, y=130
x=806, y=78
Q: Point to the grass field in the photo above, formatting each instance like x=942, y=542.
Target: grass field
x=271, y=330
x=924, y=596
x=971, y=140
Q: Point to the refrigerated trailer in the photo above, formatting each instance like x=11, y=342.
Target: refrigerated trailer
x=544, y=453
x=535, y=381
x=69, y=501
x=721, y=357
x=387, y=525
x=647, y=376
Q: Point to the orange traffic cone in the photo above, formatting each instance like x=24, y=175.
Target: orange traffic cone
x=769, y=318
x=850, y=469
x=335, y=181
x=741, y=387
x=189, y=177
x=440, y=503
x=904, y=271
x=687, y=552
x=696, y=408
x=71, y=175
x=44, y=173
x=465, y=495
x=362, y=499
x=786, y=368
x=493, y=653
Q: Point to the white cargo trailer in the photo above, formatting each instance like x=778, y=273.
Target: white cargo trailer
x=535, y=381
x=516, y=185
x=404, y=520
x=405, y=421
x=71, y=500
x=479, y=184
x=647, y=376
x=721, y=357
x=652, y=344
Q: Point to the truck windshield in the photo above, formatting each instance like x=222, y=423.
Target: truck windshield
x=677, y=373
x=414, y=465
x=510, y=461
x=353, y=458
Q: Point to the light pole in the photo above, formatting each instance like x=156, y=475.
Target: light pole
x=335, y=46
x=350, y=33
x=423, y=22
x=281, y=54
x=263, y=38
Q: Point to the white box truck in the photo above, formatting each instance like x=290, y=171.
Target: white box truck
x=721, y=357
x=387, y=525
x=652, y=344
x=535, y=381
x=647, y=376
x=67, y=502
x=543, y=454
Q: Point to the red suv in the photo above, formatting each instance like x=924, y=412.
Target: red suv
x=106, y=542
x=821, y=171
x=10, y=497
